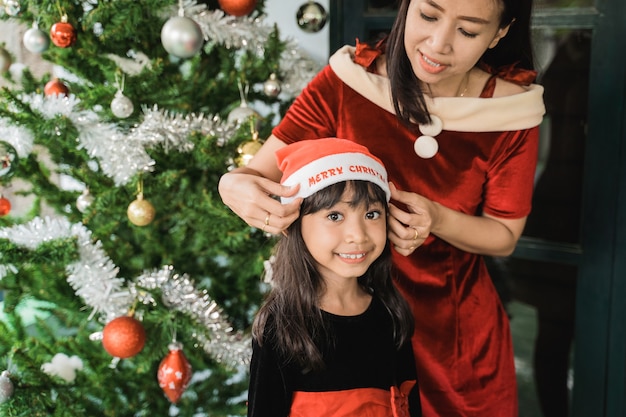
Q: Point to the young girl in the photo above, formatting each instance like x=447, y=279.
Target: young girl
x=334, y=335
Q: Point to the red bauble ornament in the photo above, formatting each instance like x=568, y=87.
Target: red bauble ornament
x=5, y=206
x=63, y=33
x=174, y=373
x=123, y=337
x=237, y=7
x=56, y=87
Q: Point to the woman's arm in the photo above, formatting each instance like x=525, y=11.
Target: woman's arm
x=485, y=235
x=250, y=191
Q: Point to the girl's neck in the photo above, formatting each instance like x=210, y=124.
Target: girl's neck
x=345, y=302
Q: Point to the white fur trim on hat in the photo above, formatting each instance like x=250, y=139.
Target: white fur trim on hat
x=324, y=164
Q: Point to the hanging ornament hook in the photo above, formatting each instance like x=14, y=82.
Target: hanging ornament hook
x=119, y=81
x=243, y=92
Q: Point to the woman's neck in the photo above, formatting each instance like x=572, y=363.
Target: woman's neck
x=454, y=88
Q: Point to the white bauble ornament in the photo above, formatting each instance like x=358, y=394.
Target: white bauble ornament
x=6, y=387
x=122, y=106
x=84, y=201
x=36, y=40
x=181, y=37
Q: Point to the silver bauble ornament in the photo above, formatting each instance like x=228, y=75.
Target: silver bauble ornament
x=272, y=86
x=36, y=40
x=84, y=201
x=122, y=106
x=311, y=17
x=5, y=60
x=6, y=386
x=8, y=160
x=241, y=114
x=181, y=37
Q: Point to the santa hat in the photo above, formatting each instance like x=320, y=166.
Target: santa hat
x=315, y=164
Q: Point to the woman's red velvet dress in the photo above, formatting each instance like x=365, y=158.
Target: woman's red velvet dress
x=485, y=163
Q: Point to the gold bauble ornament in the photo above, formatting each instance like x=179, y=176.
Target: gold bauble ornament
x=140, y=212
x=247, y=151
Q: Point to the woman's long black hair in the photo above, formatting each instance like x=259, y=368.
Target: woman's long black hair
x=406, y=90
x=290, y=317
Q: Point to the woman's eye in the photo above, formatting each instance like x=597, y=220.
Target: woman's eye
x=467, y=34
x=428, y=18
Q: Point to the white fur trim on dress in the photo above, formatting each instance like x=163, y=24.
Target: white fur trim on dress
x=463, y=114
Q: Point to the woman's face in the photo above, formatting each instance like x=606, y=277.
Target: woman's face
x=445, y=38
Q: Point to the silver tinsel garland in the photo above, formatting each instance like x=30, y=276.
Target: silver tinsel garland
x=119, y=158
x=19, y=137
x=94, y=278
x=121, y=154
x=250, y=33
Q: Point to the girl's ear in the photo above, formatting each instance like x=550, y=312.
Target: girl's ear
x=500, y=34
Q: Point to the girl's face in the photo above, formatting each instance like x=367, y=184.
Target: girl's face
x=445, y=38
x=345, y=240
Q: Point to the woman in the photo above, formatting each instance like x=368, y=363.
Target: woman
x=446, y=103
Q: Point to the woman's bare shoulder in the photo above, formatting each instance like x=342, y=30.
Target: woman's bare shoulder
x=506, y=88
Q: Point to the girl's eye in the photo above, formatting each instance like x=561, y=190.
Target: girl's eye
x=373, y=215
x=334, y=217
x=428, y=18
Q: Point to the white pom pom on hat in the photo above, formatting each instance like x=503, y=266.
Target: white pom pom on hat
x=317, y=163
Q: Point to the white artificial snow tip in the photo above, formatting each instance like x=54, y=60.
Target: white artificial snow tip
x=63, y=366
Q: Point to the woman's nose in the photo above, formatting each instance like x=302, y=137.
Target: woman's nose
x=441, y=38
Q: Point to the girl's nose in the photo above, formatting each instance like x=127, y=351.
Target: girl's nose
x=356, y=231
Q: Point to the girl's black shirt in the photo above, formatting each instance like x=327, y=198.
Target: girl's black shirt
x=363, y=355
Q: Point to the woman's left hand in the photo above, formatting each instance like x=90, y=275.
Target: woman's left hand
x=409, y=229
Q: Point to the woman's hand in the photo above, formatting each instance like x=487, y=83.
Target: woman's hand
x=251, y=192
x=484, y=234
x=409, y=229
x=250, y=196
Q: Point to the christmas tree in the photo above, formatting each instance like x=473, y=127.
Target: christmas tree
x=144, y=283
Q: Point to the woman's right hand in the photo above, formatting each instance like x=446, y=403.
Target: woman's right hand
x=249, y=195
x=251, y=191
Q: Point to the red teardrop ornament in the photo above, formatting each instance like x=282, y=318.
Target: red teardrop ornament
x=5, y=206
x=63, y=33
x=174, y=373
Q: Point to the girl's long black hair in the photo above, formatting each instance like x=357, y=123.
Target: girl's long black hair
x=290, y=317
x=406, y=90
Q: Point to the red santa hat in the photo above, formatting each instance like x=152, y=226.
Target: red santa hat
x=318, y=163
